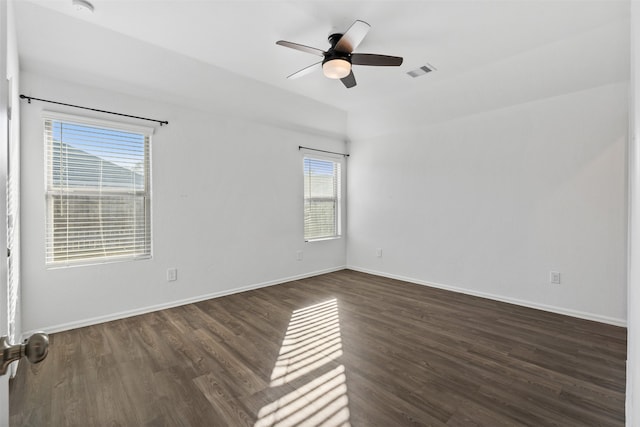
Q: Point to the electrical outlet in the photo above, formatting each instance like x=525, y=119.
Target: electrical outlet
x=172, y=274
x=379, y=252
x=299, y=255
x=554, y=277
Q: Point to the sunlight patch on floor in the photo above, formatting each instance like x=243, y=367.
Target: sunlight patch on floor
x=312, y=340
x=322, y=401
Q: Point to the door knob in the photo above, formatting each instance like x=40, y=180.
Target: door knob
x=35, y=348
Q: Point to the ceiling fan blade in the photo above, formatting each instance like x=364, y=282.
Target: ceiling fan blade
x=305, y=71
x=376, y=60
x=300, y=47
x=352, y=37
x=349, y=81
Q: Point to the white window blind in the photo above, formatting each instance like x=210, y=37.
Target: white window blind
x=322, y=196
x=97, y=193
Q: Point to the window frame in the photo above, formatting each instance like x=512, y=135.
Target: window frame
x=50, y=191
x=339, y=198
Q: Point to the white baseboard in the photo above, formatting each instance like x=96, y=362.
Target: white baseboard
x=553, y=309
x=171, y=304
x=144, y=310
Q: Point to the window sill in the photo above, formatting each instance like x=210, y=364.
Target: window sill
x=54, y=265
x=322, y=239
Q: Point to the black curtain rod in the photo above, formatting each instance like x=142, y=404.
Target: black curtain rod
x=29, y=98
x=300, y=147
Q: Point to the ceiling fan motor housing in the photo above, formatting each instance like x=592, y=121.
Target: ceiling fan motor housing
x=332, y=54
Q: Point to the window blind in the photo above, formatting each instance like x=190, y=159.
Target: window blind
x=322, y=195
x=97, y=193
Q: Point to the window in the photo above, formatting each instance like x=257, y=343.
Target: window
x=97, y=191
x=322, y=196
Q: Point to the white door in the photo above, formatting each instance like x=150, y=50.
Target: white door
x=4, y=134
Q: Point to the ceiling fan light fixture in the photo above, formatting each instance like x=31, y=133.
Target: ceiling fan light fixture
x=336, y=68
x=82, y=6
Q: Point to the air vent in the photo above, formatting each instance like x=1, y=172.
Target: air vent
x=421, y=71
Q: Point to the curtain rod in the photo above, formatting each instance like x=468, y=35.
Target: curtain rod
x=300, y=147
x=29, y=98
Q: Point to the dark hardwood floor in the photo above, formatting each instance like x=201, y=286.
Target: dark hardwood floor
x=344, y=348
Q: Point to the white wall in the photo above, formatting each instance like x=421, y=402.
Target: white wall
x=226, y=206
x=489, y=204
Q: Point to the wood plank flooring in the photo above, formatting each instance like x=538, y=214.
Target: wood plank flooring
x=340, y=349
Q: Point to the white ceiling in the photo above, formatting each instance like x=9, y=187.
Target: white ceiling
x=487, y=53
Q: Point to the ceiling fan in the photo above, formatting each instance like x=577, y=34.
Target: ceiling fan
x=339, y=58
